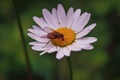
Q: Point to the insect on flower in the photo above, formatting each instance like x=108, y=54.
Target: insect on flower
x=52, y=34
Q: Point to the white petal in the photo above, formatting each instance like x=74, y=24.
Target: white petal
x=55, y=17
x=86, y=40
x=82, y=22
x=48, y=17
x=42, y=47
x=86, y=30
x=66, y=51
x=38, y=48
x=60, y=54
x=37, y=32
x=86, y=46
x=48, y=45
x=39, y=29
x=76, y=16
x=69, y=17
x=77, y=13
x=37, y=43
x=40, y=21
x=79, y=18
x=33, y=36
x=47, y=29
x=43, y=52
x=61, y=15
x=36, y=27
x=53, y=49
x=74, y=47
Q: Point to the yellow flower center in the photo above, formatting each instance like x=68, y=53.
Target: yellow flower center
x=67, y=38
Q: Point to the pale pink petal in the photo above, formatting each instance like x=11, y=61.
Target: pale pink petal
x=39, y=29
x=40, y=21
x=37, y=43
x=38, y=48
x=79, y=18
x=37, y=32
x=43, y=52
x=53, y=49
x=48, y=45
x=55, y=17
x=89, y=47
x=60, y=54
x=42, y=47
x=33, y=36
x=36, y=27
x=47, y=29
x=66, y=51
x=74, y=47
x=82, y=21
x=86, y=40
x=86, y=46
x=69, y=18
x=76, y=17
x=48, y=18
x=61, y=15
x=85, y=31
x=77, y=13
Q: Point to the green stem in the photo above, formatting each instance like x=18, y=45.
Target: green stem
x=70, y=69
x=28, y=66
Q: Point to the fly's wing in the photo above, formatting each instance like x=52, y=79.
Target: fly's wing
x=47, y=29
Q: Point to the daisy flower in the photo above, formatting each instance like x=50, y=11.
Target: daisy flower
x=61, y=32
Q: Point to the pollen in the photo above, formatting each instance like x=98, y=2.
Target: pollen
x=68, y=37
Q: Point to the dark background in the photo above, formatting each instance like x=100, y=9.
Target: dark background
x=101, y=63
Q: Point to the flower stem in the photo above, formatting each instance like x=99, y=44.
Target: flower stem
x=70, y=69
x=28, y=66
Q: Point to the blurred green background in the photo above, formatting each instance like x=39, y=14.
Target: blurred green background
x=101, y=63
